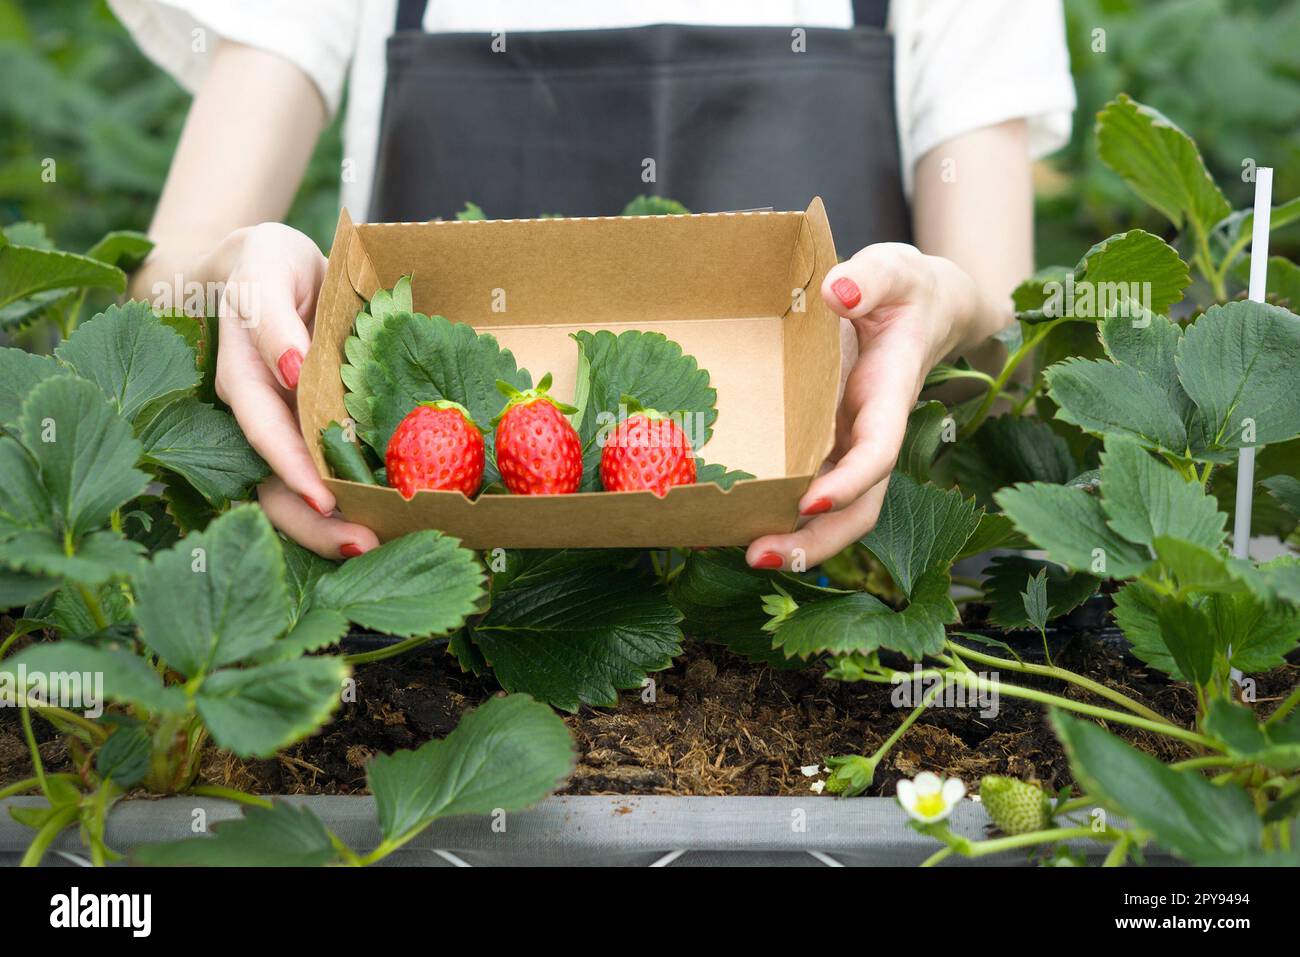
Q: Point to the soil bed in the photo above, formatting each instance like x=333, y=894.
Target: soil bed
x=719, y=725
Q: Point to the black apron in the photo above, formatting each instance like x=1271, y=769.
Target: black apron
x=576, y=123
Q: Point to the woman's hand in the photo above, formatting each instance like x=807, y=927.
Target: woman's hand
x=268, y=300
x=902, y=312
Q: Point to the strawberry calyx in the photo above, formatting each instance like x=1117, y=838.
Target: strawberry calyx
x=449, y=404
x=516, y=397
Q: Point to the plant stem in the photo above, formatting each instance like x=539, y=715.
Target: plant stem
x=1030, y=694
x=1064, y=674
x=92, y=605
x=1000, y=383
x=28, y=784
x=51, y=829
x=939, y=855
x=910, y=720
x=50, y=713
x=1204, y=261
x=25, y=716
x=392, y=651
x=229, y=794
x=1029, y=396
x=1119, y=853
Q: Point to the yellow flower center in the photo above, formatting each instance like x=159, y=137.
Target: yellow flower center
x=928, y=805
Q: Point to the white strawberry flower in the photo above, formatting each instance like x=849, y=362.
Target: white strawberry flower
x=929, y=798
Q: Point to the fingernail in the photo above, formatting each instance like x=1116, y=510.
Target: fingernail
x=768, y=560
x=314, y=504
x=817, y=506
x=291, y=365
x=351, y=550
x=847, y=291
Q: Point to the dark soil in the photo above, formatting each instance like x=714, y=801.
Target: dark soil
x=717, y=725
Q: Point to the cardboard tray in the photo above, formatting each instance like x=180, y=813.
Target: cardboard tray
x=739, y=291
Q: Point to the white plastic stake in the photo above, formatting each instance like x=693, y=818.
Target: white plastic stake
x=1258, y=280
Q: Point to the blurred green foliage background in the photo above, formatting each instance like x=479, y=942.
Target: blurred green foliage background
x=73, y=87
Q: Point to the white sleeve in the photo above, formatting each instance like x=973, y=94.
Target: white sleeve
x=963, y=66
x=179, y=36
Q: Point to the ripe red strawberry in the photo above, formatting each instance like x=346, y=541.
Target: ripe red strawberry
x=538, y=449
x=646, y=451
x=437, y=446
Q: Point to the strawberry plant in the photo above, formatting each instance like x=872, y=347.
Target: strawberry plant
x=174, y=617
x=1144, y=398
x=1111, y=459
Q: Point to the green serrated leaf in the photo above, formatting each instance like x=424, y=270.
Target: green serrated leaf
x=1070, y=525
x=423, y=583
x=1008, y=449
x=721, y=598
x=920, y=528
x=94, y=559
x=1131, y=275
x=131, y=356
x=124, y=249
x=1005, y=577
x=318, y=628
x=127, y=678
x=124, y=757
x=1160, y=163
x=1274, y=746
x=577, y=638
x=85, y=453
x=302, y=569
x=508, y=753
x=256, y=711
x=20, y=371
x=1238, y=362
x=410, y=358
x=650, y=368
x=860, y=622
x=1145, y=499
x=993, y=531
x=1109, y=399
x=206, y=447
x=1198, y=821
x=925, y=428
x=719, y=475
x=25, y=270
x=279, y=836
x=217, y=597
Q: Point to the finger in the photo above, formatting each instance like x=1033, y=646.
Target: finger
x=877, y=276
x=884, y=393
x=327, y=537
x=820, y=539
x=268, y=424
x=269, y=311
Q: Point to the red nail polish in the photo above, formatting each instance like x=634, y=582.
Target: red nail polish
x=350, y=550
x=817, y=506
x=314, y=504
x=768, y=560
x=290, y=366
x=847, y=291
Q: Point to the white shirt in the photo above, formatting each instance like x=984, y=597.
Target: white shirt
x=960, y=65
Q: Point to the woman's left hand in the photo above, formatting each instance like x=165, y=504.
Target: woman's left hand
x=903, y=311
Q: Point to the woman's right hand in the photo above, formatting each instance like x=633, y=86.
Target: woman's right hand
x=266, y=310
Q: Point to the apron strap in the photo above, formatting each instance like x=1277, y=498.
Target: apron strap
x=866, y=13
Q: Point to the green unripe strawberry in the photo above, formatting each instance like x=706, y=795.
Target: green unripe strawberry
x=1016, y=807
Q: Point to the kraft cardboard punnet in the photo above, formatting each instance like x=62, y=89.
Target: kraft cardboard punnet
x=739, y=291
